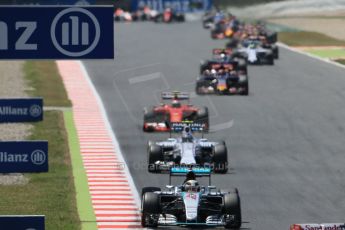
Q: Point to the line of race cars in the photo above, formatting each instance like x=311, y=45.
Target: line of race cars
x=145, y=13
x=182, y=154
x=187, y=204
x=226, y=72
x=190, y=204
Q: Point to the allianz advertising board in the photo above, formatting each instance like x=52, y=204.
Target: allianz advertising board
x=21, y=110
x=56, y=32
x=23, y=156
x=32, y=222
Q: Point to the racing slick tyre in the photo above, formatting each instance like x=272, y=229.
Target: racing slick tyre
x=232, y=43
x=201, y=84
x=203, y=118
x=275, y=51
x=220, y=158
x=150, y=207
x=149, y=143
x=149, y=116
x=242, y=65
x=246, y=91
x=230, y=190
x=272, y=37
x=154, y=155
x=232, y=207
x=270, y=58
x=149, y=189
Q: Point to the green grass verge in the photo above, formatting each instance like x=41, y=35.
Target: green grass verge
x=305, y=38
x=84, y=204
x=341, y=61
x=241, y=3
x=44, y=78
x=51, y=194
x=328, y=53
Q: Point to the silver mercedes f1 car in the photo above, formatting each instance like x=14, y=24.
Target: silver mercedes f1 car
x=190, y=204
x=187, y=150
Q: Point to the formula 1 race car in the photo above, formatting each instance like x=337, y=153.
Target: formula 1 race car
x=190, y=204
x=225, y=59
x=223, y=84
x=255, y=53
x=169, y=16
x=329, y=226
x=187, y=150
x=159, y=118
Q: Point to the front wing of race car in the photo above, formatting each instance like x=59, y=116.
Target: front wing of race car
x=156, y=127
x=208, y=87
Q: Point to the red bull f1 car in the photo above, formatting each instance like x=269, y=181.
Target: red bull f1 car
x=158, y=118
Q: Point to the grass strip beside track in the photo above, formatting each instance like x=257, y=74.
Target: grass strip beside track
x=341, y=61
x=51, y=194
x=84, y=204
x=43, y=77
x=306, y=38
x=328, y=53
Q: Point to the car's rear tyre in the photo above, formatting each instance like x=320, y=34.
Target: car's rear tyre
x=150, y=210
x=242, y=65
x=149, y=116
x=201, y=84
x=246, y=91
x=275, y=50
x=203, y=118
x=229, y=190
x=232, y=207
x=270, y=60
x=220, y=158
x=154, y=154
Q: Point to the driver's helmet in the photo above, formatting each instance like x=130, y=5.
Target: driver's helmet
x=207, y=72
x=187, y=135
x=176, y=104
x=252, y=45
x=191, y=186
x=222, y=56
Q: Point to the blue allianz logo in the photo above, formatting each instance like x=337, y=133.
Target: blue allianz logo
x=56, y=32
x=74, y=26
x=35, y=110
x=38, y=157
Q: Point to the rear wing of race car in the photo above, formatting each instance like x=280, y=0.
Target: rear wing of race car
x=175, y=96
x=220, y=51
x=180, y=126
x=183, y=171
x=219, y=65
x=335, y=226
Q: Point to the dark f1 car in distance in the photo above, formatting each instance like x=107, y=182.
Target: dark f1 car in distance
x=190, y=204
x=169, y=15
x=187, y=150
x=223, y=79
x=158, y=118
x=225, y=58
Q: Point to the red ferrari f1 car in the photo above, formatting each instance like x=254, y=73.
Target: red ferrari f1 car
x=159, y=118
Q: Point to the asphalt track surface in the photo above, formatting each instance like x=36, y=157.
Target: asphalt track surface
x=286, y=139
